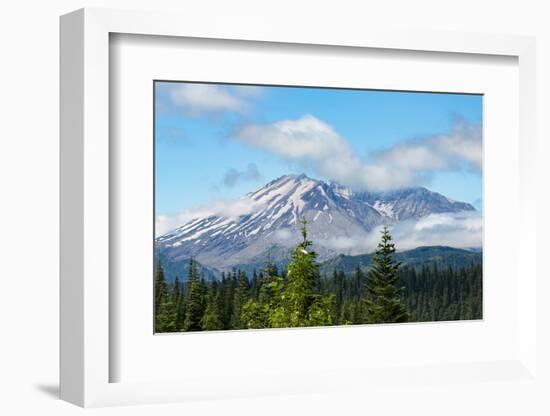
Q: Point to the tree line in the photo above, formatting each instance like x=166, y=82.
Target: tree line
x=298, y=296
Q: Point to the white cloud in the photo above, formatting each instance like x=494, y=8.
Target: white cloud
x=460, y=230
x=283, y=235
x=316, y=145
x=247, y=91
x=461, y=147
x=306, y=140
x=232, y=176
x=165, y=223
x=463, y=230
x=231, y=209
x=202, y=99
x=359, y=242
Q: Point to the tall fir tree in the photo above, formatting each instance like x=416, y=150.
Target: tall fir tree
x=179, y=304
x=301, y=276
x=161, y=290
x=241, y=297
x=300, y=304
x=257, y=310
x=195, y=302
x=269, y=282
x=384, y=304
x=227, y=292
x=358, y=282
x=165, y=311
x=211, y=319
x=255, y=285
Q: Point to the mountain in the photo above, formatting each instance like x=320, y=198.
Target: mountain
x=173, y=268
x=336, y=217
x=441, y=255
x=412, y=203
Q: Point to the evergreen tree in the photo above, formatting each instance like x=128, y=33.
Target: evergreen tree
x=346, y=314
x=254, y=285
x=161, y=290
x=241, y=297
x=357, y=312
x=384, y=304
x=299, y=303
x=203, y=291
x=256, y=312
x=211, y=320
x=338, y=290
x=165, y=312
x=321, y=311
x=298, y=296
x=436, y=294
x=178, y=301
x=358, y=282
x=269, y=283
x=195, y=300
x=227, y=291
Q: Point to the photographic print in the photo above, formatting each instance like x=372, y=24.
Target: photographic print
x=284, y=206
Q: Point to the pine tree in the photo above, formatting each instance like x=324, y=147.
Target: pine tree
x=227, y=291
x=301, y=276
x=384, y=304
x=269, y=283
x=258, y=312
x=254, y=285
x=241, y=297
x=300, y=304
x=165, y=312
x=178, y=301
x=160, y=286
x=195, y=302
x=359, y=282
x=211, y=320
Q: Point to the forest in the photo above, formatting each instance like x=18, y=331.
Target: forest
x=299, y=296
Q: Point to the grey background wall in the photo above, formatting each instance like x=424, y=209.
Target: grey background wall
x=29, y=182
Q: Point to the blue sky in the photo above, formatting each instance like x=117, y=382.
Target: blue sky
x=218, y=142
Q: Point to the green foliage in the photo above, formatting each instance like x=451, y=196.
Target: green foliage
x=165, y=311
x=260, y=311
x=211, y=320
x=450, y=294
x=160, y=286
x=240, y=299
x=227, y=294
x=179, y=304
x=298, y=302
x=384, y=304
x=255, y=314
x=195, y=300
x=298, y=296
x=321, y=311
x=301, y=278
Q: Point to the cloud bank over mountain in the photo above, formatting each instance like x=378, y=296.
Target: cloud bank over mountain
x=314, y=144
x=340, y=221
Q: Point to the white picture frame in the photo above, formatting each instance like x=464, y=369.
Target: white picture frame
x=85, y=203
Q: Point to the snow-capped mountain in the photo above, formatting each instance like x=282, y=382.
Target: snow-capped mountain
x=334, y=213
x=411, y=203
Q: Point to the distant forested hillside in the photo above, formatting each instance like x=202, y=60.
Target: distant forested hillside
x=417, y=257
x=424, y=284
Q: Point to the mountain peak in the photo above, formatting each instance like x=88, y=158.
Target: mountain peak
x=334, y=213
x=297, y=177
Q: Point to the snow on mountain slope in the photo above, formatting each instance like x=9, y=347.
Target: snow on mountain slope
x=412, y=203
x=334, y=214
